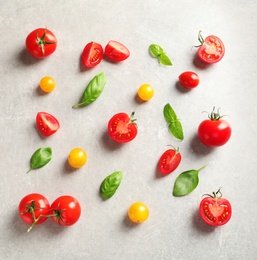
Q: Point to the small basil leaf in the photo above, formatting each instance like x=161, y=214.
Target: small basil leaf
x=186, y=182
x=93, y=90
x=40, y=158
x=155, y=50
x=110, y=184
x=169, y=113
x=164, y=59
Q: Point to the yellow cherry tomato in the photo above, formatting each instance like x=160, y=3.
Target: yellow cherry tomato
x=77, y=157
x=145, y=92
x=138, y=212
x=47, y=84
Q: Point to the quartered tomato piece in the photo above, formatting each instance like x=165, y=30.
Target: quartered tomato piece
x=92, y=54
x=115, y=51
x=211, y=49
x=169, y=161
x=122, y=128
x=47, y=124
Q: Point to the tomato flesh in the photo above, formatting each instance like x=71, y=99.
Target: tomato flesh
x=169, y=161
x=215, y=211
x=121, y=128
x=189, y=79
x=92, y=54
x=47, y=124
x=116, y=51
x=212, y=50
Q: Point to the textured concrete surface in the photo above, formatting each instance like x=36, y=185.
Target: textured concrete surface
x=174, y=230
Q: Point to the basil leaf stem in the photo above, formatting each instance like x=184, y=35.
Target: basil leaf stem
x=110, y=184
x=174, y=124
x=186, y=182
x=93, y=90
x=40, y=158
x=157, y=52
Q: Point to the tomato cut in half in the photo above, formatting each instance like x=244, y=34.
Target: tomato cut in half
x=92, y=54
x=211, y=49
x=189, y=79
x=169, y=161
x=46, y=123
x=116, y=51
x=122, y=128
x=215, y=210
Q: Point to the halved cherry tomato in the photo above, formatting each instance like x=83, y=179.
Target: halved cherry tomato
x=115, y=51
x=169, y=161
x=214, y=131
x=66, y=210
x=41, y=42
x=189, y=79
x=122, y=128
x=211, y=49
x=32, y=209
x=215, y=210
x=46, y=123
x=92, y=54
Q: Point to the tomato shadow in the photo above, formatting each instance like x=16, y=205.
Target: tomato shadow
x=127, y=223
x=27, y=59
x=158, y=174
x=110, y=144
x=67, y=169
x=199, y=225
x=138, y=100
x=199, y=64
x=199, y=148
x=182, y=89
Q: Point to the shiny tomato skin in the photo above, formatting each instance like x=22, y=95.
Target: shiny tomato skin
x=116, y=51
x=189, y=79
x=169, y=161
x=40, y=45
x=121, y=128
x=212, y=50
x=37, y=202
x=67, y=210
x=214, y=133
x=215, y=211
x=46, y=123
x=92, y=54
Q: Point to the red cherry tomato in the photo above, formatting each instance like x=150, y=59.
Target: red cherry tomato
x=115, y=51
x=32, y=207
x=41, y=42
x=92, y=54
x=189, y=79
x=169, y=161
x=215, y=210
x=46, y=123
x=122, y=128
x=214, y=131
x=67, y=210
x=211, y=49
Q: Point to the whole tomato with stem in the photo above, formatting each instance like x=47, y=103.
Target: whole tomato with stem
x=41, y=43
x=214, y=131
x=66, y=210
x=122, y=128
x=211, y=49
x=215, y=210
x=34, y=209
x=92, y=54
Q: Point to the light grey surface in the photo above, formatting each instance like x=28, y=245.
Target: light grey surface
x=174, y=229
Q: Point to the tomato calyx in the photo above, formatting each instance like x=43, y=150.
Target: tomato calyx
x=132, y=119
x=41, y=41
x=200, y=39
x=216, y=195
x=215, y=116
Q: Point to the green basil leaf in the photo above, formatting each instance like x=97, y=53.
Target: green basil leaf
x=110, y=184
x=40, y=158
x=93, y=90
x=164, y=59
x=155, y=50
x=186, y=182
x=174, y=124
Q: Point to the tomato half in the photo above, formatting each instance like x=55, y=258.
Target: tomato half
x=215, y=210
x=122, y=128
x=41, y=42
x=92, y=54
x=214, y=131
x=169, y=161
x=66, y=209
x=46, y=123
x=33, y=206
x=211, y=49
x=189, y=79
x=116, y=51
x=138, y=212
